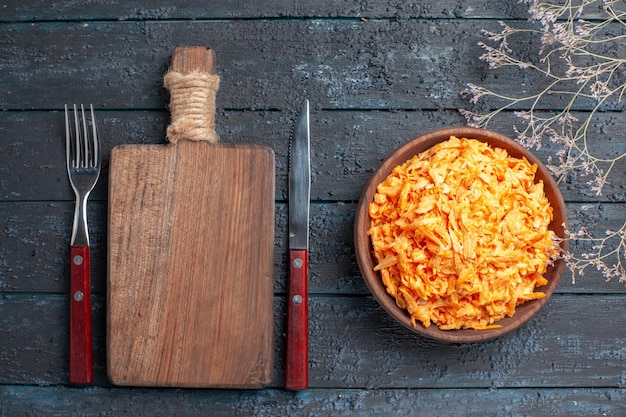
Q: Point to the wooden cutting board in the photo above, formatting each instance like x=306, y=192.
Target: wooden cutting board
x=190, y=260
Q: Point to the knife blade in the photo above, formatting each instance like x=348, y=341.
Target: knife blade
x=297, y=357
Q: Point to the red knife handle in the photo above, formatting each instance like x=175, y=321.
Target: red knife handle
x=81, y=360
x=297, y=361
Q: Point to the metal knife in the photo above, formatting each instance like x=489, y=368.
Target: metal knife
x=297, y=360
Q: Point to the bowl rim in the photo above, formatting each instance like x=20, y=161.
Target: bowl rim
x=364, y=251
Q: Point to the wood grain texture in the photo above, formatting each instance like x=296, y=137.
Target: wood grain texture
x=191, y=239
x=191, y=265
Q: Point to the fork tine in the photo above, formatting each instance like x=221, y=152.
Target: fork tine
x=95, y=142
x=83, y=155
x=75, y=139
x=68, y=139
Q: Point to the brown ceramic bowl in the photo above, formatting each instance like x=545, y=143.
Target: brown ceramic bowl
x=363, y=245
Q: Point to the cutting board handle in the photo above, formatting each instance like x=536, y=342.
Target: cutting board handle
x=193, y=83
x=188, y=59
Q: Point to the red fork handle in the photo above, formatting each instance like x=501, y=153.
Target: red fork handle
x=297, y=360
x=81, y=359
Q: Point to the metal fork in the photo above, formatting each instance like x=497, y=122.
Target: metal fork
x=83, y=167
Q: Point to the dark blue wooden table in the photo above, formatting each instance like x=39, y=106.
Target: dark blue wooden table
x=377, y=74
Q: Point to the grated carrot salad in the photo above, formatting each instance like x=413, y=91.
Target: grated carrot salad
x=460, y=234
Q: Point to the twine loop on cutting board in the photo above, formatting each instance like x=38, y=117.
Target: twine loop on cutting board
x=192, y=106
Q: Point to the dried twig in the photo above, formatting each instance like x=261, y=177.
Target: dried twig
x=574, y=60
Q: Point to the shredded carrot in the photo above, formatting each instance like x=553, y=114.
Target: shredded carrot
x=460, y=234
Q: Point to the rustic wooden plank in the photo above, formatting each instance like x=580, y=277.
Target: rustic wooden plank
x=574, y=341
x=42, y=10
x=137, y=10
x=34, y=247
x=26, y=401
x=338, y=64
x=346, y=147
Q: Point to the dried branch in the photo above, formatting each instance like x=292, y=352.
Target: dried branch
x=578, y=58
